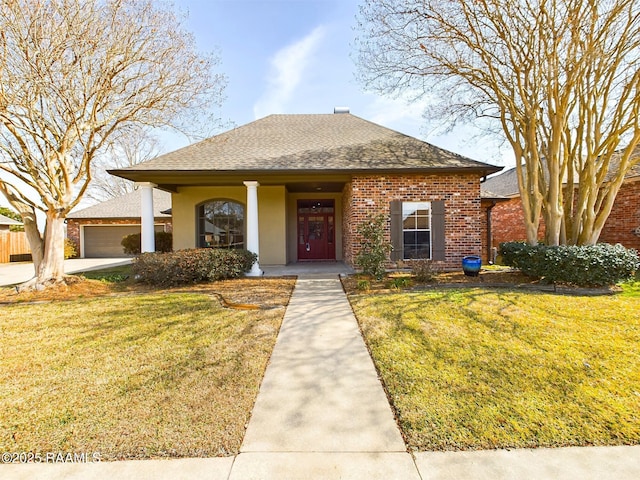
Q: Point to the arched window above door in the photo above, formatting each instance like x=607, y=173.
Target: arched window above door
x=221, y=224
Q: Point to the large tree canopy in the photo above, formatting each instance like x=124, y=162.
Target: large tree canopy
x=559, y=79
x=75, y=75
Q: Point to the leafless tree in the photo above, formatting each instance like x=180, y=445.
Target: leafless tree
x=559, y=78
x=74, y=74
x=132, y=147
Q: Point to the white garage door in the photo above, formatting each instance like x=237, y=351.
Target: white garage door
x=104, y=241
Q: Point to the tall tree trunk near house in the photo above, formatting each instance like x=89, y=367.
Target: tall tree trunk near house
x=531, y=198
x=49, y=268
x=558, y=79
x=77, y=77
x=553, y=210
x=31, y=231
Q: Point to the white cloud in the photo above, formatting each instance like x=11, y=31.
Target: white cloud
x=288, y=66
x=399, y=114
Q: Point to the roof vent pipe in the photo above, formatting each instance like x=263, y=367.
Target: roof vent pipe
x=340, y=109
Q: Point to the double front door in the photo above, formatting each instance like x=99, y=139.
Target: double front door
x=316, y=230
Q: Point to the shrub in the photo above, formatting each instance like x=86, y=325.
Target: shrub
x=192, y=266
x=513, y=252
x=69, y=249
x=594, y=265
x=374, y=247
x=398, y=283
x=423, y=270
x=132, y=244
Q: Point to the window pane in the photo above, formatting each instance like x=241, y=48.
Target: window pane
x=221, y=224
x=416, y=222
x=422, y=237
x=409, y=208
x=409, y=223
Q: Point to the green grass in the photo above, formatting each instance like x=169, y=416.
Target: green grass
x=112, y=274
x=131, y=376
x=481, y=369
x=631, y=289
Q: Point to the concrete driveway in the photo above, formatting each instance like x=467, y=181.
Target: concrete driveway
x=13, y=273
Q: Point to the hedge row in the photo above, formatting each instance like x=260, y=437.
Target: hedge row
x=192, y=266
x=132, y=243
x=594, y=265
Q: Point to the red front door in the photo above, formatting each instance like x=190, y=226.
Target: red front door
x=316, y=230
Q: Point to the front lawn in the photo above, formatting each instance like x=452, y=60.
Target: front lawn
x=481, y=369
x=135, y=375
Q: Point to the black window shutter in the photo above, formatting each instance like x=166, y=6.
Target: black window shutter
x=437, y=230
x=396, y=230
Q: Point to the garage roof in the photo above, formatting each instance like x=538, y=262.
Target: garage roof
x=126, y=206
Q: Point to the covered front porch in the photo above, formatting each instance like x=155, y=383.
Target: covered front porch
x=285, y=221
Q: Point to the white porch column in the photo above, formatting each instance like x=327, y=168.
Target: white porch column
x=148, y=241
x=253, y=236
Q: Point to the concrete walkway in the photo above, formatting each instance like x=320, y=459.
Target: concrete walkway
x=321, y=411
x=19, y=272
x=322, y=414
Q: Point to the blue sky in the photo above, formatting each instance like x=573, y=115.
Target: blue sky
x=297, y=56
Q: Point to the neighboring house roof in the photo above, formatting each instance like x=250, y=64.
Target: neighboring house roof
x=299, y=144
x=8, y=221
x=125, y=206
x=506, y=183
x=635, y=170
x=489, y=195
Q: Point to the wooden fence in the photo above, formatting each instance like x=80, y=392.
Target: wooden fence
x=14, y=246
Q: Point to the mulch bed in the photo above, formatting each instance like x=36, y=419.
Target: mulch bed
x=486, y=279
x=259, y=292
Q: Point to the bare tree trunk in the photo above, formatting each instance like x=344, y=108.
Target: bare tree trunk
x=52, y=266
x=33, y=234
x=531, y=197
x=49, y=268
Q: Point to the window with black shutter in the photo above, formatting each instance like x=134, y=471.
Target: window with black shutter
x=417, y=230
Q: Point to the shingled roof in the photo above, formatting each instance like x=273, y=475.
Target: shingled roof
x=505, y=184
x=125, y=206
x=8, y=221
x=321, y=143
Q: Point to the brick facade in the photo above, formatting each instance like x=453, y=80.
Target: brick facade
x=73, y=225
x=623, y=224
x=371, y=194
x=508, y=225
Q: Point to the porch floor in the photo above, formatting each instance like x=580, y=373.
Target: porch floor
x=307, y=268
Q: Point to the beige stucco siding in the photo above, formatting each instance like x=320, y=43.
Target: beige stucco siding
x=271, y=217
x=272, y=214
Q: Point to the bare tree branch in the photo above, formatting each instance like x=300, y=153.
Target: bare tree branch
x=75, y=75
x=559, y=77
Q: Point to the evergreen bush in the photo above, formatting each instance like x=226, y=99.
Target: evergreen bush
x=374, y=248
x=593, y=265
x=132, y=244
x=192, y=266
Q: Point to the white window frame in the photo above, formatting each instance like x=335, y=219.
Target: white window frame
x=408, y=209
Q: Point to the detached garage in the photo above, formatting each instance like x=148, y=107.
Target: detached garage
x=98, y=230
